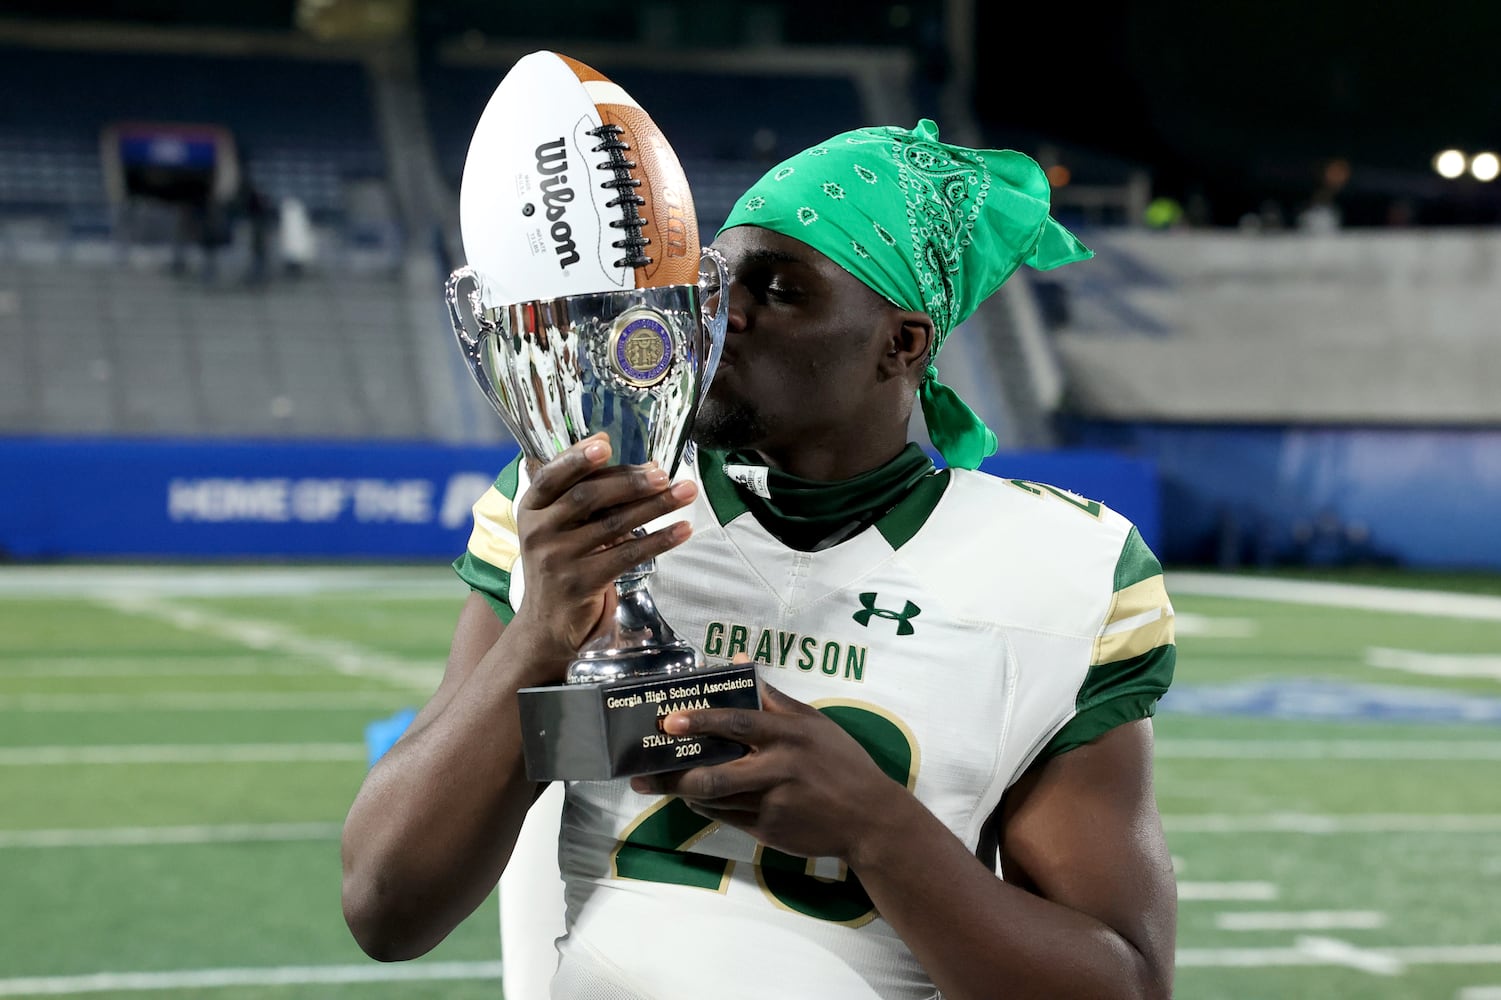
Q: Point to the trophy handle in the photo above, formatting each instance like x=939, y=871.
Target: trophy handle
x=717, y=325
x=471, y=343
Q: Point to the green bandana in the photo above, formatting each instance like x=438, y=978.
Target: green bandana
x=930, y=227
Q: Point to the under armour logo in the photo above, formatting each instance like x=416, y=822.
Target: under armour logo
x=902, y=618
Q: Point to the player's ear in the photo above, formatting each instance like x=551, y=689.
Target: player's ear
x=907, y=347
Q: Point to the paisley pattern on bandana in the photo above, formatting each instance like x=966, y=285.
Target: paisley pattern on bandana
x=951, y=225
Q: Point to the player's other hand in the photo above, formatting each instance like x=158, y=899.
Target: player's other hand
x=574, y=523
x=806, y=787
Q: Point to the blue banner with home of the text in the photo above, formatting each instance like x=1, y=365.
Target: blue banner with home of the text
x=66, y=498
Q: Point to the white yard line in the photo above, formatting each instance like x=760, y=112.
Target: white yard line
x=159, y=836
x=173, y=701
x=1324, y=824
x=1464, y=954
x=290, y=975
x=1380, y=750
x=345, y=657
x=216, y=753
x=1300, y=920
x=1214, y=626
x=1336, y=952
x=1486, y=666
x=1247, y=892
x=1398, y=600
x=1479, y=993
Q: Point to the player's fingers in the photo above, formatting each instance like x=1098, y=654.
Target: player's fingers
x=562, y=472
x=728, y=815
x=738, y=782
x=602, y=492
x=614, y=524
x=777, y=703
x=742, y=725
x=609, y=562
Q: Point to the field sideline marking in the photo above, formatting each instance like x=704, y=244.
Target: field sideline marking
x=73, y=665
x=1339, y=749
x=1325, y=824
x=159, y=836
x=287, y=975
x=379, y=583
x=1299, y=920
x=178, y=701
x=344, y=656
x=1317, y=951
x=1479, y=993
x=203, y=753
x=1359, y=597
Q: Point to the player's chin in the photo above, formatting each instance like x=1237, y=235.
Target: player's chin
x=726, y=422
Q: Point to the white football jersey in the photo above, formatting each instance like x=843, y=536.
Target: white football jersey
x=980, y=624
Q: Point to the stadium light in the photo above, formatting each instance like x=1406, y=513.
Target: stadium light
x=1450, y=163
x=1485, y=166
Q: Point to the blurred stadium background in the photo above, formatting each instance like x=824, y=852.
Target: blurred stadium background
x=237, y=447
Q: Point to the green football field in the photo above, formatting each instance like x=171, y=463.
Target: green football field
x=178, y=748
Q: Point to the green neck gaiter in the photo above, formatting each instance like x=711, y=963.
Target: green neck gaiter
x=808, y=515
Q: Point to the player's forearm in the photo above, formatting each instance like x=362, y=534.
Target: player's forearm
x=433, y=827
x=978, y=936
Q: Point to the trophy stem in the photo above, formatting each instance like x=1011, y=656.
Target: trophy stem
x=635, y=640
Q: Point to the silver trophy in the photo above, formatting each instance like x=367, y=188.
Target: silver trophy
x=634, y=364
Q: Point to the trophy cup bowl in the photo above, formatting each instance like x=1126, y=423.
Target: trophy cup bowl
x=635, y=364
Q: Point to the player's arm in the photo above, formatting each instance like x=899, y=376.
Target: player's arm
x=1088, y=908
x=433, y=826
x=1089, y=905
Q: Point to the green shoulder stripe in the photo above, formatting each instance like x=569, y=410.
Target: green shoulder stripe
x=509, y=478
x=1114, y=694
x=1136, y=562
x=491, y=583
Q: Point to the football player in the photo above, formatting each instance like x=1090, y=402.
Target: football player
x=949, y=786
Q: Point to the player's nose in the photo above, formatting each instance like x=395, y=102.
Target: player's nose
x=739, y=310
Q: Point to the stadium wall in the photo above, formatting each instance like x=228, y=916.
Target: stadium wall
x=1323, y=496
x=77, y=498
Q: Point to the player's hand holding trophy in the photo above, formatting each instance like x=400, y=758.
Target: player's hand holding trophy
x=582, y=311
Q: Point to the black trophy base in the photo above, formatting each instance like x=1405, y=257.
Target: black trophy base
x=612, y=729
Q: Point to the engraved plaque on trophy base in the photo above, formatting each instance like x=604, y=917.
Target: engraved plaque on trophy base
x=612, y=729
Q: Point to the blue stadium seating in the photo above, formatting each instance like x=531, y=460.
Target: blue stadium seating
x=304, y=126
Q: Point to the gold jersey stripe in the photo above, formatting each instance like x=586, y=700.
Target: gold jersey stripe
x=1138, y=599
x=494, y=539
x=1115, y=646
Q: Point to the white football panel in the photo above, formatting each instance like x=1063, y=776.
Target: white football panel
x=523, y=257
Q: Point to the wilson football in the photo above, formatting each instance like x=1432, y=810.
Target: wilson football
x=569, y=187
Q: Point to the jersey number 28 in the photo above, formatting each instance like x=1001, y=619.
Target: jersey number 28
x=658, y=845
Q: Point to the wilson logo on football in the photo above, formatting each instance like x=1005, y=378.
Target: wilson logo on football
x=552, y=164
